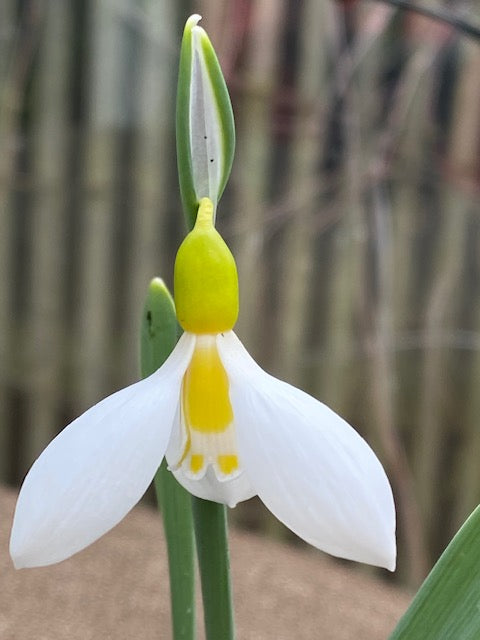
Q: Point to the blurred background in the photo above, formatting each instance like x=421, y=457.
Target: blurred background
x=352, y=210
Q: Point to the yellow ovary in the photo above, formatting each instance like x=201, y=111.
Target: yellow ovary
x=205, y=278
x=207, y=414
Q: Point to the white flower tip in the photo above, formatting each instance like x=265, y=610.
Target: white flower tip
x=16, y=546
x=17, y=559
x=26, y=549
x=388, y=555
x=375, y=540
x=20, y=552
x=377, y=544
x=20, y=563
x=392, y=565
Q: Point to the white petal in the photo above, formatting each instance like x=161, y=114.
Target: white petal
x=97, y=468
x=309, y=467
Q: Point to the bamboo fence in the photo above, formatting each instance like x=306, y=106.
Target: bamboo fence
x=352, y=211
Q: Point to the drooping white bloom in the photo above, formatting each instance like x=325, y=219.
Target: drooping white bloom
x=228, y=429
x=309, y=467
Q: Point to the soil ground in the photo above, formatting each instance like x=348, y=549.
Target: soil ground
x=118, y=589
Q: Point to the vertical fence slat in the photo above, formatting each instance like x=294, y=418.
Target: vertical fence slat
x=8, y=28
x=442, y=301
x=303, y=185
x=383, y=376
x=97, y=285
x=152, y=166
x=407, y=137
x=378, y=332
x=350, y=274
x=441, y=305
x=252, y=162
x=9, y=108
x=19, y=48
x=349, y=246
x=407, y=133
x=46, y=324
x=467, y=164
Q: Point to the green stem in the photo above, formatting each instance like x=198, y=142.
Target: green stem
x=174, y=502
x=158, y=339
x=213, y=558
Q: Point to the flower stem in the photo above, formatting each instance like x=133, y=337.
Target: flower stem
x=158, y=338
x=175, y=505
x=213, y=558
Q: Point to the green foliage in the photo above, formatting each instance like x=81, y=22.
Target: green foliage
x=447, y=606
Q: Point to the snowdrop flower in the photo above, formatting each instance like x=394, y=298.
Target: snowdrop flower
x=228, y=429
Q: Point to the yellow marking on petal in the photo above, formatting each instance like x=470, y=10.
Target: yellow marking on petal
x=196, y=462
x=228, y=463
x=206, y=402
x=207, y=416
x=205, y=278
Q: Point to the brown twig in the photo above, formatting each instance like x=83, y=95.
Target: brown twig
x=441, y=15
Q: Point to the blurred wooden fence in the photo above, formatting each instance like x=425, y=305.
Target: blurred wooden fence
x=353, y=213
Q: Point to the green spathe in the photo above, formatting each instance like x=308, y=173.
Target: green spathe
x=205, y=126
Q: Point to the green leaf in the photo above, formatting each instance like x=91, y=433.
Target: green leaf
x=447, y=606
x=159, y=335
x=160, y=330
x=205, y=125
